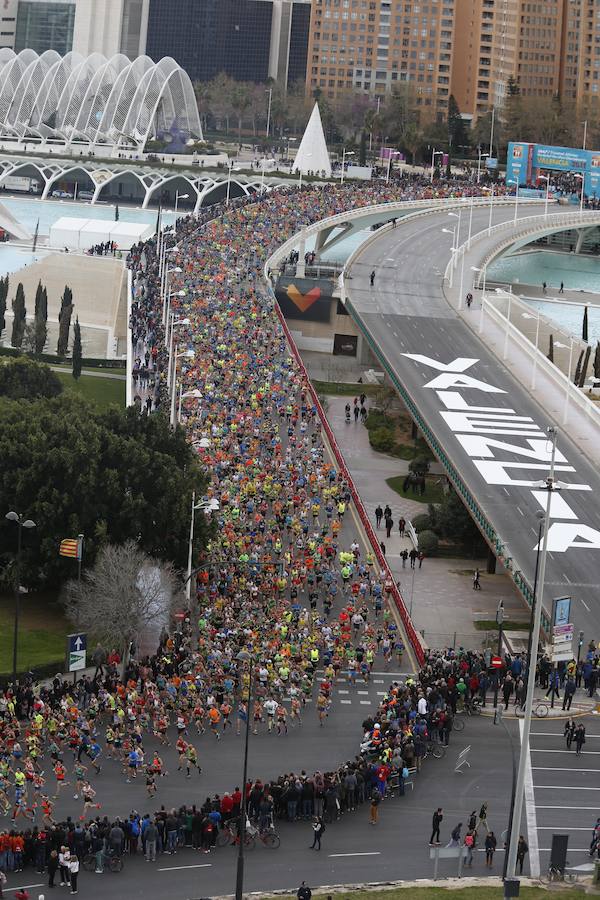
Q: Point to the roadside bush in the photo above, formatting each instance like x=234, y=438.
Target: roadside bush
x=419, y=465
x=381, y=439
x=428, y=542
x=378, y=419
x=422, y=522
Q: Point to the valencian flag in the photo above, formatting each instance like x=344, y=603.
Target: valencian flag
x=71, y=547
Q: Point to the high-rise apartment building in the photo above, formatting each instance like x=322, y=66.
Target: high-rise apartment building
x=467, y=48
x=372, y=45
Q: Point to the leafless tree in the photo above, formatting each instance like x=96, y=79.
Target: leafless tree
x=125, y=592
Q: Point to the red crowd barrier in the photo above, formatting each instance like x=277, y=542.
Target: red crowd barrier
x=411, y=634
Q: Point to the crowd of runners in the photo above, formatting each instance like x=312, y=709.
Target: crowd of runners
x=287, y=595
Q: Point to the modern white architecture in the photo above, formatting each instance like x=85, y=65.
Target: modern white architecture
x=312, y=153
x=94, y=100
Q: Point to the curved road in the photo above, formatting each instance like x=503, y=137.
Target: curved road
x=405, y=312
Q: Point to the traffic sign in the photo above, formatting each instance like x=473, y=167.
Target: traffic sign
x=558, y=639
x=76, y=652
x=568, y=629
x=561, y=654
x=496, y=662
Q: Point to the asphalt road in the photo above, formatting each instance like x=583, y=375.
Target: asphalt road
x=565, y=789
x=406, y=312
x=352, y=850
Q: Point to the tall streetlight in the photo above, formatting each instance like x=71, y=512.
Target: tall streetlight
x=176, y=270
x=344, y=155
x=515, y=823
x=229, y=168
x=188, y=354
x=171, y=316
x=537, y=337
x=515, y=181
x=582, y=179
x=195, y=394
x=179, y=197
x=270, y=93
x=169, y=342
x=458, y=216
x=451, y=231
x=546, y=178
x=481, y=156
x=211, y=505
x=244, y=656
x=434, y=153
x=21, y=524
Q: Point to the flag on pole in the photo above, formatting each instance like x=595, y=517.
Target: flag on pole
x=70, y=547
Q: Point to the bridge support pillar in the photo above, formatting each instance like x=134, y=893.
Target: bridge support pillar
x=491, y=563
x=301, y=265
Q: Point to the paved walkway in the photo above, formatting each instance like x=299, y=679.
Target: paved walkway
x=444, y=604
x=95, y=373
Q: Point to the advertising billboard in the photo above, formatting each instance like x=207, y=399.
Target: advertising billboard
x=306, y=299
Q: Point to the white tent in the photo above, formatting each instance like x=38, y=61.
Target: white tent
x=312, y=153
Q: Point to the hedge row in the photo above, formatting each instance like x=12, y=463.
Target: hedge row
x=90, y=363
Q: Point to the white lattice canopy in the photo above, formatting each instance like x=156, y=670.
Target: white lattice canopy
x=94, y=99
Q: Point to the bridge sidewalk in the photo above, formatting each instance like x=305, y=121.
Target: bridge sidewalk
x=444, y=604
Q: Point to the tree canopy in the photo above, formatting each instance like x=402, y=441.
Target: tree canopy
x=22, y=378
x=109, y=474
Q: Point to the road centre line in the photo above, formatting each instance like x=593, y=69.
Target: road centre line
x=566, y=827
x=365, y=853
x=177, y=868
x=562, y=769
x=534, y=849
x=558, y=734
x=345, y=701
x=578, y=808
x=22, y=888
x=570, y=752
x=564, y=787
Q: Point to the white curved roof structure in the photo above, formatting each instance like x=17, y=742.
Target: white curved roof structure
x=94, y=99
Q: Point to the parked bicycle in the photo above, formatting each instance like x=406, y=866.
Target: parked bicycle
x=112, y=861
x=229, y=835
x=540, y=709
x=435, y=749
x=559, y=874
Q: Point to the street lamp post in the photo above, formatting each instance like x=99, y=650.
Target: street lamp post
x=165, y=289
x=581, y=178
x=210, y=506
x=546, y=178
x=515, y=823
x=458, y=216
x=344, y=155
x=244, y=656
x=179, y=197
x=516, y=182
x=270, y=93
x=21, y=524
x=491, y=210
x=229, y=168
x=433, y=156
x=481, y=156
x=499, y=621
x=189, y=354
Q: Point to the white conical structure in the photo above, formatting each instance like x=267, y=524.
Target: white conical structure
x=312, y=155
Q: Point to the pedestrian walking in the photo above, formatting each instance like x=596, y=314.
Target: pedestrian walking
x=490, y=849
x=544, y=286
x=382, y=547
x=318, y=829
x=402, y=526
x=476, y=582
x=469, y=300
x=508, y=689
x=378, y=515
x=553, y=685
x=304, y=892
x=52, y=867
x=437, y=819
x=389, y=524
x=374, y=812
x=569, y=732
x=522, y=850
x=455, y=836
x=468, y=844
x=482, y=818
x=372, y=277
x=3, y=880
x=562, y=288
x=74, y=872
x=595, y=837
x=569, y=692
x=579, y=738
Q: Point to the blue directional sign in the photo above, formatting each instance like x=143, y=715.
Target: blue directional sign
x=76, y=651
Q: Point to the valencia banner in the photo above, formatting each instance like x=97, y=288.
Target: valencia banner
x=70, y=547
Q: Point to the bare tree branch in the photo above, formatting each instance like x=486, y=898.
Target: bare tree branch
x=125, y=592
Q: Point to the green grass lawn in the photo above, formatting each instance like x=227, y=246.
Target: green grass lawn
x=102, y=391
x=439, y=893
x=42, y=630
x=434, y=493
x=345, y=390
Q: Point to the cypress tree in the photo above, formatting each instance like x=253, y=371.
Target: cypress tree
x=64, y=321
x=551, y=349
x=20, y=317
x=77, y=353
x=3, y=295
x=41, y=318
x=584, y=329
